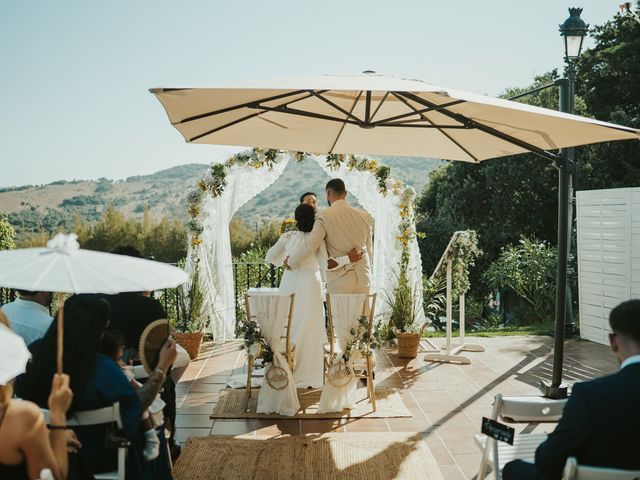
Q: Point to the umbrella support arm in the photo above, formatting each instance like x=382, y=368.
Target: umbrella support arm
x=469, y=123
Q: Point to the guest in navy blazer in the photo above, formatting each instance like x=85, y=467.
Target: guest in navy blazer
x=600, y=424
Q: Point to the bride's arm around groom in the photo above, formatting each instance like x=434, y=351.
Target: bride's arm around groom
x=344, y=228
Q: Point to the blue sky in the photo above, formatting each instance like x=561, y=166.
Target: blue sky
x=75, y=74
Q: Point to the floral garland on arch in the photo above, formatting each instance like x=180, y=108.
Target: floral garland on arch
x=215, y=181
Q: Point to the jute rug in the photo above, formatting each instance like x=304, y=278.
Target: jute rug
x=231, y=404
x=330, y=456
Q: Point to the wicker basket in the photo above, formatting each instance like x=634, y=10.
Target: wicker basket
x=408, y=344
x=190, y=342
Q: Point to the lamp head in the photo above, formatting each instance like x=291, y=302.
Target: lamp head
x=573, y=30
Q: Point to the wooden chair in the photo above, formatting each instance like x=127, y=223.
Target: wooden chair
x=101, y=416
x=521, y=409
x=364, y=369
x=573, y=471
x=289, y=348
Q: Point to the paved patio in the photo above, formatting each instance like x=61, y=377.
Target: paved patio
x=446, y=401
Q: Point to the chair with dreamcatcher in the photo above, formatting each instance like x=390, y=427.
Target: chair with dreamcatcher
x=274, y=315
x=350, y=322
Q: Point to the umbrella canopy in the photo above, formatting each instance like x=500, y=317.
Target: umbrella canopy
x=63, y=267
x=375, y=114
x=14, y=355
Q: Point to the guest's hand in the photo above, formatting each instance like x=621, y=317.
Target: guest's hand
x=168, y=354
x=331, y=263
x=60, y=397
x=286, y=263
x=73, y=444
x=355, y=255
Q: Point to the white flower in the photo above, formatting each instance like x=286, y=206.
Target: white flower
x=255, y=349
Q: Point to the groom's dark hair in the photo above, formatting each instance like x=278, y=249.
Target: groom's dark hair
x=336, y=185
x=306, y=195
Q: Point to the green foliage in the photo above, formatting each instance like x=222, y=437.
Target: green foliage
x=165, y=240
x=529, y=269
x=506, y=198
x=7, y=234
x=434, y=298
x=463, y=253
x=81, y=200
x=244, y=238
x=404, y=307
x=608, y=78
x=193, y=316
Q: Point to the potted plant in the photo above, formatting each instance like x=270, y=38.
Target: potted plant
x=191, y=315
x=404, y=320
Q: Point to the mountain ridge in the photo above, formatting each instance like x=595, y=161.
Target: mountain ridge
x=50, y=207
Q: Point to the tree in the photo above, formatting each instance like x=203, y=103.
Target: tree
x=505, y=198
x=608, y=78
x=500, y=199
x=7, y=234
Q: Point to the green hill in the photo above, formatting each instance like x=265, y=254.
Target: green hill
x=37, y=208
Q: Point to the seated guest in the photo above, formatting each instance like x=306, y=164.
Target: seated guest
x=112, y=345
x=26, y=446
x=601, y=419
x=29, y=314
x=131, y=312
x=97, y=381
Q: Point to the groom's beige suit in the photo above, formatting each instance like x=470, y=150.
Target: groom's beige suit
x=343, y=228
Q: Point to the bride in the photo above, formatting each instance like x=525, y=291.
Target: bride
x=308, y=331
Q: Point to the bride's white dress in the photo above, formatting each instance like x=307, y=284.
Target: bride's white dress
x=308, y=331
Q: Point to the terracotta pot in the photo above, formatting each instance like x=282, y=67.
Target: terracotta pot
x=191, y=342
x=408, y=343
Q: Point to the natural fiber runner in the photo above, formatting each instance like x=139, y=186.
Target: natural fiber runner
x=231, y=404
x=330, y=456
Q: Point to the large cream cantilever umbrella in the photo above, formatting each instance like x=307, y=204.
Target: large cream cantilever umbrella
x=375, y=114
x=384, y=115
x=62, y=266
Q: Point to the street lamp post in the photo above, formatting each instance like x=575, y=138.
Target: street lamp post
x=573, y=31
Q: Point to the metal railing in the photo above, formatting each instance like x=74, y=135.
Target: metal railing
x=248, y=275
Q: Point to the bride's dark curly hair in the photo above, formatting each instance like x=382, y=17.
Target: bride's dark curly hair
x=305, y=217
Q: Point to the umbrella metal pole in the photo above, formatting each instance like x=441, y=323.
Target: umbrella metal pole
x=557, y=389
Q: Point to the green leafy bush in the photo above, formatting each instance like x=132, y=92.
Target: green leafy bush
x=529, y=269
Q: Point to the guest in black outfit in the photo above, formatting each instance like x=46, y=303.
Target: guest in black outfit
x=131, y=312
x=601, y=420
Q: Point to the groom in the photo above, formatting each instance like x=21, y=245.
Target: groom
x=344, y=228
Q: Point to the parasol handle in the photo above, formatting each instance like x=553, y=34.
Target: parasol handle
x=60, y=331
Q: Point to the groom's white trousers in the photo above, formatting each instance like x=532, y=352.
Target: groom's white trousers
x=347, y=284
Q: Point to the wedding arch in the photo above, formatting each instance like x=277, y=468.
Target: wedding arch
x=226, y=187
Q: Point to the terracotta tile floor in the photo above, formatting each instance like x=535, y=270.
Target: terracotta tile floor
x=447, y=401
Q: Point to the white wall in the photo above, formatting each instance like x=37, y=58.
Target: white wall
x=608, y=255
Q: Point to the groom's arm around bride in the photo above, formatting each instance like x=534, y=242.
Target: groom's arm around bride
x=343, y=228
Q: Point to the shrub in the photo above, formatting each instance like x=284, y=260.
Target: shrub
x=529, y=269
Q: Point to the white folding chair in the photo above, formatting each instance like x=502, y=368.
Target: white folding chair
x=289, y=346
x=101, y=416
x=520, y=409
x=363, y=369
x=573, y=471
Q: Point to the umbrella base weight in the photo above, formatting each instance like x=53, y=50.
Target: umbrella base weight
x=454, y=356
x=554, y=392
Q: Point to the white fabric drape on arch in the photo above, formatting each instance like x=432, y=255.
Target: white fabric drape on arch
x=244, y=183
x=386, y=248
x=216, y=261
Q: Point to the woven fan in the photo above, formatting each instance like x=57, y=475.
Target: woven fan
x=152, y=339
